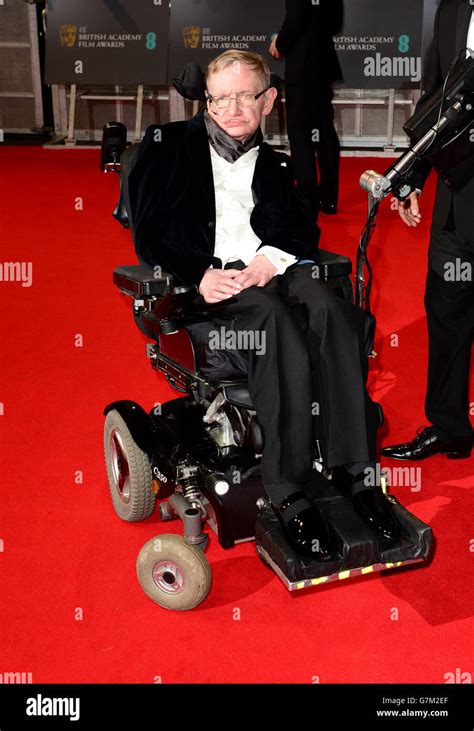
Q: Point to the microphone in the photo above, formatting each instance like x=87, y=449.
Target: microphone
x=378, y=184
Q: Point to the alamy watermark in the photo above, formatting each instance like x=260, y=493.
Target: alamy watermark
x=394, y=477
x=223, y=339
x=394, y=66
x=16, y=678
x=40, y=705
x=458, y=271
x=17, y=271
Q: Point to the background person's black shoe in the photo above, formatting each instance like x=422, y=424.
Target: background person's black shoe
x=374, y=508
x=304, y=525
x=329, y=208
x=426, y=444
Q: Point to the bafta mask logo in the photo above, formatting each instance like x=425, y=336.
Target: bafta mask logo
x=191, y=36
x=68, y=35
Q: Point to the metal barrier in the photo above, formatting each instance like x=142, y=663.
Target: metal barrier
x=23, y=16
x=388, y=137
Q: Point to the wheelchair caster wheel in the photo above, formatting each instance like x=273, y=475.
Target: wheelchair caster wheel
x=128, y=470
x=174, y=574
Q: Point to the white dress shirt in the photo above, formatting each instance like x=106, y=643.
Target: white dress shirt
x=235, y=238
x=470, y=34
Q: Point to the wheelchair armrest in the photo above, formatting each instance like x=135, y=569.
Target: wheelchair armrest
x=166, y=304
x=139, y=280
x=333, y=265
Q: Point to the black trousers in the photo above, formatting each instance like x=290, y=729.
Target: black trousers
x=449, y=303
x=308, y=381
x=310, y=123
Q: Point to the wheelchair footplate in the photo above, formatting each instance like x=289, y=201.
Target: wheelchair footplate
x=361, y=549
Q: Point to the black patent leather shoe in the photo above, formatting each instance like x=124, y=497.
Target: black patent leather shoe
x=306, y=528
x=329, y=208
x=374, y=508
x=426, y=444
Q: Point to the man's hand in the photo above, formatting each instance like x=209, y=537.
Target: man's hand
x=409, y=210
x=219, y=284
x=273, y=49
x=258, y=273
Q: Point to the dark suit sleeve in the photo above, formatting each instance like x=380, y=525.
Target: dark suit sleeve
x=296, y=21
x=157, y=234
x=432, y=80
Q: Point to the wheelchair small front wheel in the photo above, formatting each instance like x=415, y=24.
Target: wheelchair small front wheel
x=128, y=470
x=174, y=574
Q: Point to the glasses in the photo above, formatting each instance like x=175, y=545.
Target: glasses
x=243, y=99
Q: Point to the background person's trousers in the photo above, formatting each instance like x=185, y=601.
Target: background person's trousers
x=314, y=361
x=449, y=303
x=310, y=123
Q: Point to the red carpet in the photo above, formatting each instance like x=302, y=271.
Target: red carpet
x=71, y=608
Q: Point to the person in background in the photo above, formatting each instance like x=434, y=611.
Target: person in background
x=449, y=304
x=311, y=66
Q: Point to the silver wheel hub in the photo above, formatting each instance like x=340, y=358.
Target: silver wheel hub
x=168, y=577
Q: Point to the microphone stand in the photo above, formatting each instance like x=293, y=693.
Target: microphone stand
x=394, y=181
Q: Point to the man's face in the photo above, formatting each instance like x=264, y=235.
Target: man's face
x=239, y=122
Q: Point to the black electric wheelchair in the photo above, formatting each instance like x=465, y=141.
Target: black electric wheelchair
x=199, y=454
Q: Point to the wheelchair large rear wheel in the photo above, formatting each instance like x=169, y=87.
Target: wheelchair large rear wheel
x=128, y=470
x=174, y=574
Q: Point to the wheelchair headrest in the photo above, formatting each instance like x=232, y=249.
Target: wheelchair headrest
x=191, y=84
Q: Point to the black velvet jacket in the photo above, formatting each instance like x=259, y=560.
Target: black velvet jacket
x=172, y=202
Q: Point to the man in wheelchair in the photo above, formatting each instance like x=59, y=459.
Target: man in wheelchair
x=216, y=207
